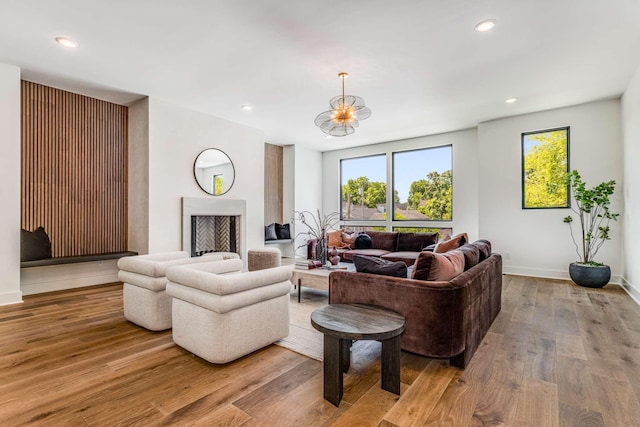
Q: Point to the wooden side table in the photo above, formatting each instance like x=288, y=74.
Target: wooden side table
x=343, y=323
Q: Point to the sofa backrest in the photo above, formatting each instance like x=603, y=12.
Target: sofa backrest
x=385, y=240
x=415, y=242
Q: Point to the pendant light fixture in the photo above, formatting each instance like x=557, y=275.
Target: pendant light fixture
x=346, y=111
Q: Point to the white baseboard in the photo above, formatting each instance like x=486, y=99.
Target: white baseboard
x=633, y=292
x=14, y=297
x=37, y=280
x=547, y=273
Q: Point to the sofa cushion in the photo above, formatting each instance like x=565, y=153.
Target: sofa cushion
x=471, y=255
x=386, y=240
x=454, y=243
x=408, y=258
x=415, y=242
x=374, y=265
x=485, y=248
x=438, y=267
x=348, y=255
x=334, y=238
x=349, y=240
x=34, y=245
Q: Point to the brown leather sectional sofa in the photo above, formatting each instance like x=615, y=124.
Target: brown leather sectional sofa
x=444, y=319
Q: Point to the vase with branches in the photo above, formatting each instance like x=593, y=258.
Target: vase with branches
x=315, y=228
x=594, y=216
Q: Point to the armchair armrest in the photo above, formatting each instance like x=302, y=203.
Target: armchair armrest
x=225, y=292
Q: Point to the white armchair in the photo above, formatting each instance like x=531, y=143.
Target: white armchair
x=144, y=298
x=221, y=314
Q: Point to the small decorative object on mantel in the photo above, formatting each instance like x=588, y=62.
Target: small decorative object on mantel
x=316, y=231
x=334, y=258
x=592, y=208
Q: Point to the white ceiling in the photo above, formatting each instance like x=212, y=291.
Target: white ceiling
x=419, y=64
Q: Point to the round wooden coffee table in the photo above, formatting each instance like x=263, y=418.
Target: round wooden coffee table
x=343, y=323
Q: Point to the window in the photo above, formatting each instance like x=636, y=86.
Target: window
x=422, y=184
x=363, y=181
x=545, y=163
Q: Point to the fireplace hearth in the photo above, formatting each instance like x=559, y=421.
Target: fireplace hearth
x=214, y=233
x=213, y=225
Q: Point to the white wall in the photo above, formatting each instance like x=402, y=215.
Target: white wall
x=138, y=177
x=536, y=242
x=465, y=172
x=10, y=185
x=176, y=137
x=307, y=188
x=631, y=217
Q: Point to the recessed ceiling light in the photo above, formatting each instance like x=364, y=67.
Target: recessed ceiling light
x=246, y=107
x=67, y=42
x=510, y=100
x=485, y=25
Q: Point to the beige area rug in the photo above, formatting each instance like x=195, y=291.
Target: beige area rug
x=303, y=338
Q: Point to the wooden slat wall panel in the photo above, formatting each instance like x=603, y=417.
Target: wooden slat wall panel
x=74, y=170
x=272, y=183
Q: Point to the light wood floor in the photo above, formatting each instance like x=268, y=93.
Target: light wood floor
x=558, y=355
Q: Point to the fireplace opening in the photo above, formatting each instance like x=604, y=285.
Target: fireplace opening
x=214, y=233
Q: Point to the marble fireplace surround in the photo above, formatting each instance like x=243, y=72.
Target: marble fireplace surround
x=203, y=206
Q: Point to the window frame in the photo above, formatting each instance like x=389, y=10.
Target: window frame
x=368, y=221
x=393, y=186
x=522, y=166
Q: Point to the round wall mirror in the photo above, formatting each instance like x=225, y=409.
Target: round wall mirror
x=214, y=171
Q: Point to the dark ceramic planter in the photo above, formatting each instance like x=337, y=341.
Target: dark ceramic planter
x=589, y=276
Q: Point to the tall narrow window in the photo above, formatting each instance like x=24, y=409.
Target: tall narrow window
x=363, y=183
x=545, y=163
x=423, y=184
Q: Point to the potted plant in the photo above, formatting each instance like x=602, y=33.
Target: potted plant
x=592, y=209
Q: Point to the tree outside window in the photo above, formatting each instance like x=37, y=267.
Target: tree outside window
x=545, y=163
x=423, y=184
x=364, y=188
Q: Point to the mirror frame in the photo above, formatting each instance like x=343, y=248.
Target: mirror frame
x=195, y=175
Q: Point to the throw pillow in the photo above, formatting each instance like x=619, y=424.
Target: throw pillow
x=34, y=245
x=283, y=231
x=363, y=241
x=349, y=239
x=454, y=243
x=485, y=248
x=374, y=265
x=334, y=238
x=270, y=232
x=438, y=267
x=471, y=255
